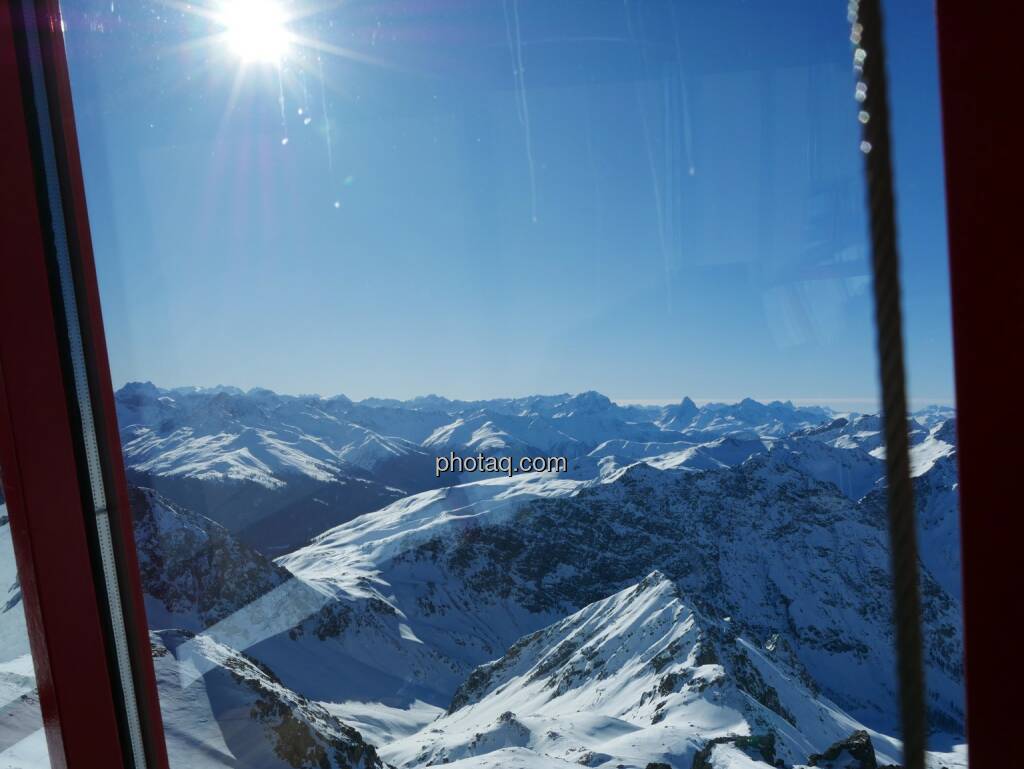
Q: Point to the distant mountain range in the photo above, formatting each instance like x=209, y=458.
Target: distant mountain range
x=277, y=469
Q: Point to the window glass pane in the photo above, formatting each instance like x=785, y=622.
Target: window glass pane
x=22, y=741
x=624, y=239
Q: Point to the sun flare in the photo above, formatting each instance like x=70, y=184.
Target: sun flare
x=255, y=30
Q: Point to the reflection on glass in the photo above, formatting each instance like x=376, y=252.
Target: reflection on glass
x=561, y=218
x=22, y=742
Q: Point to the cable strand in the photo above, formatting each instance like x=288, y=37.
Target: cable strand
x=869, y=59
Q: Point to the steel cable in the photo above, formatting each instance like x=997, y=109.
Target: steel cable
x=869, y=61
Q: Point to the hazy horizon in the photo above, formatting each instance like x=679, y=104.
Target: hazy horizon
x=839, y=404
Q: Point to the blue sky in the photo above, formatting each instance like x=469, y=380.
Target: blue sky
x=668, y=202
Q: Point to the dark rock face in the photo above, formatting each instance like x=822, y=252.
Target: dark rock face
x=855, y=752
x=202, y=574
x=194, y=566
x=760, y=747
x=751, y=682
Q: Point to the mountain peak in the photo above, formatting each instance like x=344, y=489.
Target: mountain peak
x=656, y=579
x=586, y=403
x=139, y=390
x=591, y=399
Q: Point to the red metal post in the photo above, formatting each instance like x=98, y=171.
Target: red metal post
x=100, y=385
x=978, y=51
x=43, y=477
x=40, y=471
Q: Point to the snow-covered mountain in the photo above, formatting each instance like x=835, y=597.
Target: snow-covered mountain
x=937, y=498
x=705, y=586
x=930, y=416
x=776, y=418
x=763, y=542
x=637, y=678
x=277, y=469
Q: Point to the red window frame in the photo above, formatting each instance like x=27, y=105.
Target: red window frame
x=40, y=435
x=977, y=51
x=41, y=451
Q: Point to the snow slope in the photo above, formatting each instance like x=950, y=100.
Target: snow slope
x=13, y=634
x=22, y=743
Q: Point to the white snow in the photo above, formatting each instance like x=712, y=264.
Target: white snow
x=348, y=552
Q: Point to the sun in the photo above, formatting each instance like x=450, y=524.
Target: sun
x=255, y=30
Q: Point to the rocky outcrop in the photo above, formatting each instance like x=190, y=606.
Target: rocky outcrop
x=193, y=566
x=760, y=747
x=855, y=752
